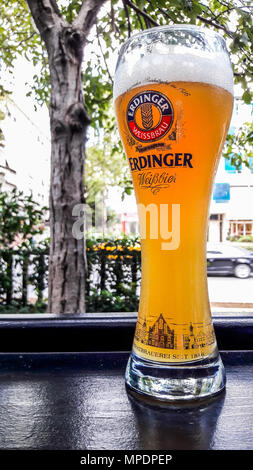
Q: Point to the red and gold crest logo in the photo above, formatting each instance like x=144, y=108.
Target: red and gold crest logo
x=149, y=116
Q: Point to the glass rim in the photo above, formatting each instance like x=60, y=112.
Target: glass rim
x=197, y=41
x=181, y=26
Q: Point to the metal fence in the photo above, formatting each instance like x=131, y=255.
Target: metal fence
x=112, y=276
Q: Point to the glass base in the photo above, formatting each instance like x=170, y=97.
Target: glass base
x=176, y=382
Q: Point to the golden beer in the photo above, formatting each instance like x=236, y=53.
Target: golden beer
x=173, y=132
x=174, y=287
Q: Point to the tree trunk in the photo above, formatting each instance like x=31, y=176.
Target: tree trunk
x=69, y=121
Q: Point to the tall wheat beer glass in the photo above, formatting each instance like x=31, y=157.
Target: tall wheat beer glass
x=173, y=95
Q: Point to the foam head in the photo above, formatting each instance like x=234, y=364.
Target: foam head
x=172, y=54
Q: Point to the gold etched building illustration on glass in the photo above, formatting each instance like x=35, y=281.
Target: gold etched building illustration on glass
x=165, y=340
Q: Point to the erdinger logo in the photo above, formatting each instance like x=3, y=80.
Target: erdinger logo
x=149, y=115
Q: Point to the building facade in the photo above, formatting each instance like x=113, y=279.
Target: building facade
x=24, y=154
x=231, y=210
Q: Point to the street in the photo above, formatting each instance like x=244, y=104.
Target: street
x=228, y=289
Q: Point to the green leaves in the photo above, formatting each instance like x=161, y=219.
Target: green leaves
x=70, y=10
x=19, y=38
x=21, y=219
x=105, y=167
x=247, y=97
x=117, y=262
x=239, y=146
x=97, y=94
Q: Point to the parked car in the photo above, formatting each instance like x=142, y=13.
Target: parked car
x=227, y=259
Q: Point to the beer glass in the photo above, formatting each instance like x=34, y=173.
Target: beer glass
x=173, y=95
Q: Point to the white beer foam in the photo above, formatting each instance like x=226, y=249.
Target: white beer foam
x=174, y=64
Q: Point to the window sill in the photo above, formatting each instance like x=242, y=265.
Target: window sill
x=102, y=332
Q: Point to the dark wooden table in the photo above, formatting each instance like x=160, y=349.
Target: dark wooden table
x=79, y=401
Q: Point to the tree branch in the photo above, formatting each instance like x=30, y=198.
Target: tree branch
x=141, y=12
x=102, y=52
x=55, y=8
x=87, y=15
x=26, y=39
x=164, y=13
x=209, y=9
x=46, y=16
x=103, y=100
x=228, y=10
x=229, y=33
x=140, y=21
x=216, y=25
x=112, y=18
x=128, y=19
x=147, y=21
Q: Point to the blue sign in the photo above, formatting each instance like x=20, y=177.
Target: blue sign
x=251, y=164
x=230, y=167
x=221, y=192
